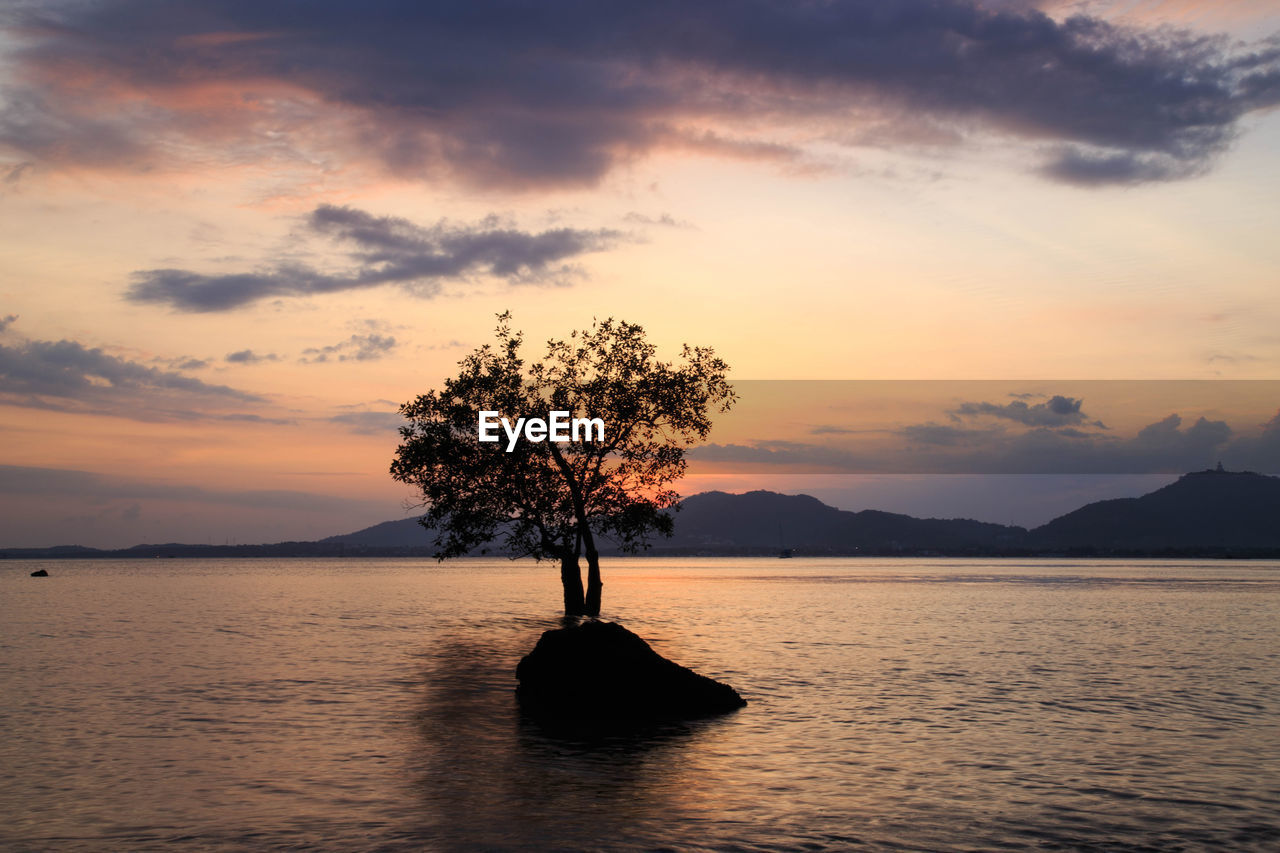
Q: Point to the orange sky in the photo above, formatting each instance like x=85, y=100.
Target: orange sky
x=231, y=249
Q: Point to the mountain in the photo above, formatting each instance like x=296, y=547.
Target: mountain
x=1205, y=510
x=765, y=522
x=1205, y=513
x=405, y=533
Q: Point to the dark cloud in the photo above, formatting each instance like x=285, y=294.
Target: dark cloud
x=7, y=321
x=68, y=376
x=67, y=368
x=384, y=250
x=248, y=356
x=1260, y=452
x=559, y=93
x=1166, y=446
x=943, y=435
x=354, y=348
x=1168, y=435
x=1083, y=167
x=1056, y=411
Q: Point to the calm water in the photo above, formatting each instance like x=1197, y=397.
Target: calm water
x=895, y=704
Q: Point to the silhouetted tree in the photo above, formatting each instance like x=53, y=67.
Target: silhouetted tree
x=552, y=500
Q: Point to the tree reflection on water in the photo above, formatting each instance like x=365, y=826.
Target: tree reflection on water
x=488, y=775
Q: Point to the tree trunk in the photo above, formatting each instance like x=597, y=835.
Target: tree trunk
x=595, y=586
x=571, y=579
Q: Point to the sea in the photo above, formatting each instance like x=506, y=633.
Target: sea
x=894, y=704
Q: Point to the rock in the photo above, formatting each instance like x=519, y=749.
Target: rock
x=601, y=671
x=39, y=573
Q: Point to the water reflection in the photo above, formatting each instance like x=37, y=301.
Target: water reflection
x=244, y=706
x=490, y=776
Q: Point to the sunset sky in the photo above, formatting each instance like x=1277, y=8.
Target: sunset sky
x=236, y=236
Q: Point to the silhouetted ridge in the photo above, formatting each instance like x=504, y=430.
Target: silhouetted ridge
x=1205, y=509
x=405, y=533
x=764, y=522
x=1206, y=513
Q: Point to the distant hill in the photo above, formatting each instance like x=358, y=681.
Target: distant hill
x=766, y=522
x=1203, y=510
x=1206, y=513
x=405, y=533
x=763, y=523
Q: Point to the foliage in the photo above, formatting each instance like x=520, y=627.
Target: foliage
x=552, y=500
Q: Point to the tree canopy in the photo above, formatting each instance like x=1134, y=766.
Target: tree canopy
x=556, y=500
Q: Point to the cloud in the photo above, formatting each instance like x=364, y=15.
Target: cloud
x=1165, y=446
x=560, y=93
x=354, y=348
x=1168, y=435
x=665, y=220
x=1083, y=167
x=1260, y=452
x=67, y=368
x=370, y=423
x=1056, y=411
x=7, y=321
x=944, y=435
x=248, y=356
x=65, y=375
x=383, y=250
x=182, y=362
x=832, y=429
x=13, y=175
x=32, y=481
x=789, y=455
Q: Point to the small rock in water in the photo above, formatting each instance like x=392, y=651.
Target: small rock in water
x=600, y=670
x=39, y=573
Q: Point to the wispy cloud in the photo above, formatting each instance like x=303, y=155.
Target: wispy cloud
x=248, y=356
x=184, y=363
x=945, y=435
x=28, y=481
x=370, y=423
x=665, y=220
x=66, y=375
x=354, y=348
x=383, y=250
x=559, y=93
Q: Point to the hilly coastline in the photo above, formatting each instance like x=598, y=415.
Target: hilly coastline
x=1205, y=513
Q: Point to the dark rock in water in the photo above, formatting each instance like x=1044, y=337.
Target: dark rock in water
x=602, y=671
x=39, y=573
